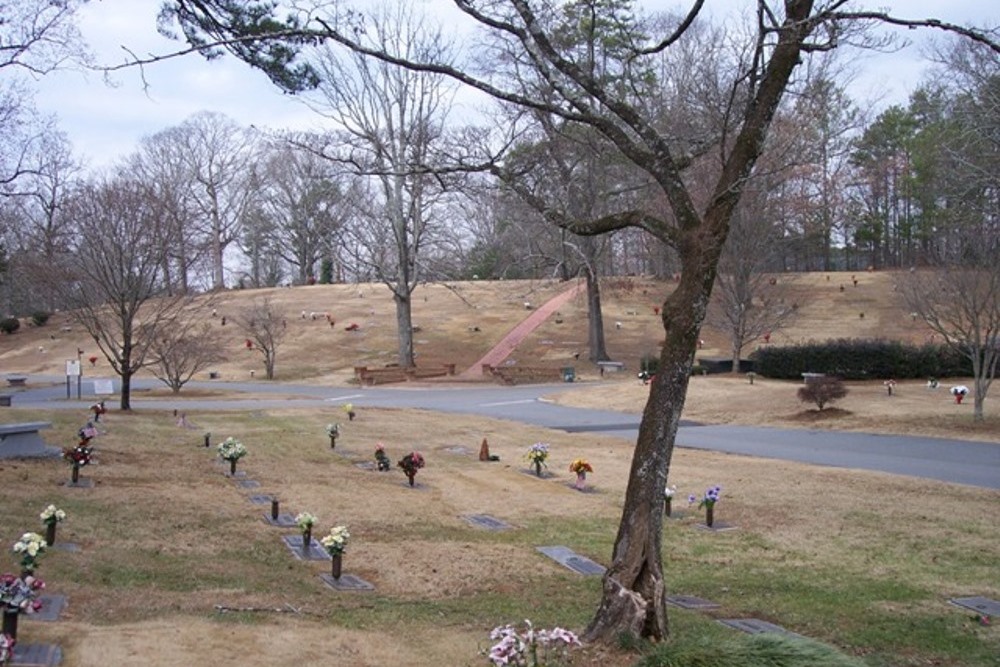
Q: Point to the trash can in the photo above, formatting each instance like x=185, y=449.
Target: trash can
x=569, y=374
x=5, y=400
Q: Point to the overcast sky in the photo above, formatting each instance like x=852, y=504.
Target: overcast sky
x=105, y=123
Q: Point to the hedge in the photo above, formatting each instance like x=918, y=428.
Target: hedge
x=861, y=359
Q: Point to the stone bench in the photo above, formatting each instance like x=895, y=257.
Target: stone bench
x=808, y=378
x=23, y=440
x=611, y=366
x=17, y=380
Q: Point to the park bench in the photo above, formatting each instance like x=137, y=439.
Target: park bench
x=521, y=374
x=611, y=366
x=17, y=380
x=21, y=440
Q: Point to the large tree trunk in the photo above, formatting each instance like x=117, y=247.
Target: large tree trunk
x=634, y=592
x=126, y=396
x=404, y=325
x=595, y=320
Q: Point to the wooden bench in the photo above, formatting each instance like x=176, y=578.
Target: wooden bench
x=389, y=374
x=17, y=380
x=21, y=440
x=521, y=374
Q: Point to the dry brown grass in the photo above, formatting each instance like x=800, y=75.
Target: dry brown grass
x=165, y=537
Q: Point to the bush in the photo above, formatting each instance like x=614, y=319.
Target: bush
x=859, y=359
x=760, y=650
x=40, y=318
x=822, y=391
x=650, y=364
x=9, y=325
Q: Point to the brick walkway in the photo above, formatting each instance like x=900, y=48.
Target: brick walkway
x=509, y=343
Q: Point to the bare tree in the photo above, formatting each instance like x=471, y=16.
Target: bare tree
x=633, y=596
x=392, y=118
x=748, y=303
x=264, y=326
x=220, y=157
x=822, y=390
x=36, y=37
x=182, y=350
x=114, y=285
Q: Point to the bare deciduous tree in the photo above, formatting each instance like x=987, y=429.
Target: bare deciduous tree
x=114, y=286
x=182, y=350
x=264, y=326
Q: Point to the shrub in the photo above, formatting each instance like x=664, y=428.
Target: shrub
x=40, y=318
x=10, y=324
x=650, y=363
x=861, y=359
x=822, y=391
x=760, y=650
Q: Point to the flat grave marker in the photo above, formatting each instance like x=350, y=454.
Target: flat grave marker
x=248, y=483
x=982, y=605
x=755, y=626
x=52, y=607
x=691, y=602
x=347, y=582
x=716, y=527
x=315, y=551
x=486, y=521
x=82, y=483
x=260, y=499
x=284, y=520
x=457, y=449
x=572, y=560
x=36, y=655
x=68, y=547
x=365, y=465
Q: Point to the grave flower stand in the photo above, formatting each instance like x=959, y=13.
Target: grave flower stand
x=666, y=506
x=232, y=467
x=538, y=468
x=50, y=533
x=581, y=480
x=10, y=621
x=75, y=474
x=336, y=561
x=307, y=536
x=709, y=515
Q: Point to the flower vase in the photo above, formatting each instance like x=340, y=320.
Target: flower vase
x=232, y=467
x=274, y=509
x=75, y=476
x=581, y=480
x=333, y=442
x=336, y=560
x=666, y=506
x=50, y=533
x=10, y=621
x=410, y=475
x=307, y=537
x=538, y=468
x=709, y=515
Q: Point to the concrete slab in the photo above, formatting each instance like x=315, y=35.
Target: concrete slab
x=572, y=560
x=314, y=552
x=486, y=521
x=690, y=602
x=755, y=626
x=52, y=607
x=36, y=655
x=979, y=604
x=347, y=582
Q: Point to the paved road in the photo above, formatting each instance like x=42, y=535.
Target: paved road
x=958, y=461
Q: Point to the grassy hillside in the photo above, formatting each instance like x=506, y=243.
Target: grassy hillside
x=458, y=322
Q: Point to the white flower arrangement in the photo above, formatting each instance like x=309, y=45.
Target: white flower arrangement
x=232, y=449
x=52, y=514
x=30, y=547
x=305, y=521
x=336, y=542
x=530, y=647
x=333, y=430
x=669, y=492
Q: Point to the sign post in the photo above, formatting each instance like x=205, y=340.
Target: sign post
x=73, y=370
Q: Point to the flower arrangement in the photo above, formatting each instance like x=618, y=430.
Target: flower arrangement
x=580, y=466
x=78, y=456
x=19, y=593
x=410, y=464
x=333, y=430
x=536, y=456
x=305, y=521
x=30, y=547
x=530, y=648
x=668, y=499
x=349, y=409
x=382, y=462
x=6, y=648
x=336, y=542
x=52, y=515
x=708, y=502
x=231, y=449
